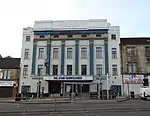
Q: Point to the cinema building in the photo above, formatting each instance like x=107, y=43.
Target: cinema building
x=59, y=54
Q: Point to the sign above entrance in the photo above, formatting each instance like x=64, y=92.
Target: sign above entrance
x=68, y=78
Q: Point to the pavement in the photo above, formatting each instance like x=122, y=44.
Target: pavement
x=78, y=107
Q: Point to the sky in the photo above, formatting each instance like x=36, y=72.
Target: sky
x=133, y=17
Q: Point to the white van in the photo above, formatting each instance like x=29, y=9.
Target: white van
x=145, y=93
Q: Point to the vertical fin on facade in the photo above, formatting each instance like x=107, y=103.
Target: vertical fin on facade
x=106, y=57
x=62, y=57
x=34, y=57
x=91, y=57
x=48, y=57
x=76, y=57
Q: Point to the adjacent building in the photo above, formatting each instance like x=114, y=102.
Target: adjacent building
x=135, y=62
x=71, y=54
x=9, y=76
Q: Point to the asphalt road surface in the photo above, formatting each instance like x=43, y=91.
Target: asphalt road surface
x=128, y=108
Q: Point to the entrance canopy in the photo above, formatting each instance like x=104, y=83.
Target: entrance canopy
x=68, y=78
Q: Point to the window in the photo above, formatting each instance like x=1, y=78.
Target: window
x=55, y=53
x=26, y=54
x=69, y=53
x=83, y=70
x=113, y=37
x=40, y=70
x=83, y=53
x=99, y=69
x=83, y=35
x=25, y=70
x=56, y=36
x=131, y=51
x=41, y=36
x=98, y=35
x=41, y=53
x=98, y=52
x=70, y=36
x=114, y=70
x=114, y=53
x=27, y=38
x=55, y=69
x=131, y=67
x=69, y=69
x=147, y=51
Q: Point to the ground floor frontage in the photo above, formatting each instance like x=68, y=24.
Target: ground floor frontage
x=64, y=85
x=8, y=89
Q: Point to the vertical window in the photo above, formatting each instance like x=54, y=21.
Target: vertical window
x=55, y=69
x=26, y=54
x=25, y=70
x=113, y=36
x=55, y=53
x=83, y=70
x=147, y=51
x=148, y=65
x=69, y=53
x=131, y=50
x=69, y=69
x=98, y=52
x=84, y=53
x=27, y=38
x=114, y=69
x=99, y=69
x=41, y=53
x=40, y=70
x=131, y=67
x=114, y=53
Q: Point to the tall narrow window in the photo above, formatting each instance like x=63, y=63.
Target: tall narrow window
x=55, y=69
x=26, y=54
x=40, y=70
x=114, y=70
x=41, y=53
x=114, y=53
x=83, y=69
x=131, y=50
x=25, y=70
x=84, y=53
x=99, y=69
x=55, y=53
x=98, y=52
x=148, y=64
x=147, y=51
x=131, y=67
x=69, y=69
x=69, y=53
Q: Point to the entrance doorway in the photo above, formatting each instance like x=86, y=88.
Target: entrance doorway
x=54, y=87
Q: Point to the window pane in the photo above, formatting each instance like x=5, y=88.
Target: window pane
x=83, y=70
x=114, y=70
x=69, y=69
x=98, y=52
x=99, y=69
x=148, y=67
x=83, y=53
x=55, y=53
x=55, y=69
x=69, y=53
x=41, y=53
x=114, y=53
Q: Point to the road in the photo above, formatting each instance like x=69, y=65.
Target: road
x=128, y=108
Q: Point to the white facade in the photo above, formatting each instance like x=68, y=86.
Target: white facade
x=70, y=25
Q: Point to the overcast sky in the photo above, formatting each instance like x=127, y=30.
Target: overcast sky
x=132, y=16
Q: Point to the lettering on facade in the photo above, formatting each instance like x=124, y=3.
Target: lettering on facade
x=68, y=78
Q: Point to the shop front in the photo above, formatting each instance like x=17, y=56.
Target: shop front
x=66, y=84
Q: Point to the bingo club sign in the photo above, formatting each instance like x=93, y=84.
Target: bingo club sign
x=68, y=78
x=133, y=79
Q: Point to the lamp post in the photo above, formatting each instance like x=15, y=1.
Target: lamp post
x=122, y=69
